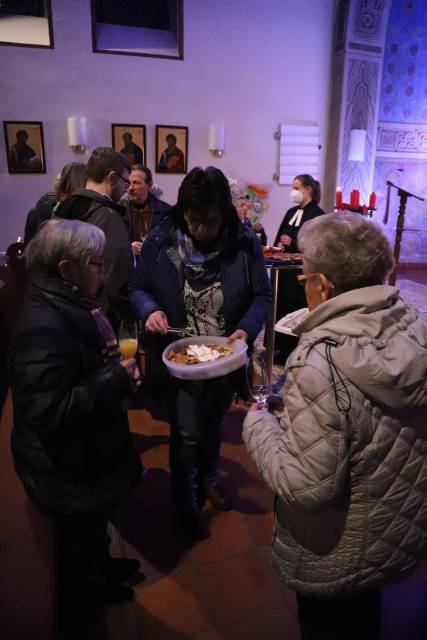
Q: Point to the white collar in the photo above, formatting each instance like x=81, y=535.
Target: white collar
x=296, y=218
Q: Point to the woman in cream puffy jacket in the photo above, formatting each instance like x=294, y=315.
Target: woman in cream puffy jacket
x=347, y=460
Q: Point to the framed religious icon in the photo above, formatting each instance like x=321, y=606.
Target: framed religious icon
x=171, y=149
x=24, y=146
x=130, y=140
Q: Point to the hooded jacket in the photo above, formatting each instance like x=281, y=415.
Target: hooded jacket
x=347, y=460
x=95, y=208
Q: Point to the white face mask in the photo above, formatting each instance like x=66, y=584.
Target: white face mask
x=297, y=196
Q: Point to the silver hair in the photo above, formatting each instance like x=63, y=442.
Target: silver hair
x=60, y=239
x=350, y=250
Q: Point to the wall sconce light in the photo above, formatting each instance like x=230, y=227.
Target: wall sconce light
x=357, y=145
x=77, y=134
x=216, y=140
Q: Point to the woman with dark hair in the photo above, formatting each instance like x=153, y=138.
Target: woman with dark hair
x=72, y=177
x=306, y=196
x=204, y=270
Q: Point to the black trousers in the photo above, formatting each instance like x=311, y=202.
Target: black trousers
x=197, y=410
x=344, y=618
x=83, y=553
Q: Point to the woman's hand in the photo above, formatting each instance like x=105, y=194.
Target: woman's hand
x=285, y=240
x=137, y=246
x=156, y=322
x=240, y=334
x=130, y=366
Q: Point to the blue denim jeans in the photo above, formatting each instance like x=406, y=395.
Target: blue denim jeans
x=197, y=410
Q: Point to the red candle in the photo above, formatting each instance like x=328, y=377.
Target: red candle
x=372, y=200
x=338, y=199
x=354, y=199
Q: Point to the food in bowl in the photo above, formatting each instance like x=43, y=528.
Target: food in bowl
x=196, y=353
x=269, y=252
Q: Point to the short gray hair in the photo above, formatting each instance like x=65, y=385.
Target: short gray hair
x=350, y=250
x=60, y=239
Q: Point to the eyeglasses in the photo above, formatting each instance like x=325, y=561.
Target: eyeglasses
x=302, y=279
x=98, y=263
x=125, y=180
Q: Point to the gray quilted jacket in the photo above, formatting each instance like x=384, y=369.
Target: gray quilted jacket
x=347, y=460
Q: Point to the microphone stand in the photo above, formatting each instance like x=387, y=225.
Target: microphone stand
x=403, y=195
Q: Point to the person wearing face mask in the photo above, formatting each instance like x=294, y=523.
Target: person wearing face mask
x=306, y=195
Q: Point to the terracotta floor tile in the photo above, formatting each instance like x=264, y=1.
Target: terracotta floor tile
x=236, y=452
x=288, y=593
x=139, y=419
x=277, y=624
x=249, y=492
x=240, y=586
x=229, y=537
x=233, y=447
x=260, y=527
x=178, y=601
x=146, y=525
x=156, y=458
x=163, y=455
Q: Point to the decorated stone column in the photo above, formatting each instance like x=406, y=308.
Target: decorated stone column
x=357, y=63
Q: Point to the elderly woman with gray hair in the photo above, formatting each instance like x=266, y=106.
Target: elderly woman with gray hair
x=347, y=460
x=70, y=439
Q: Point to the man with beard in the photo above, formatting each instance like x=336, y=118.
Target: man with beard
x=143, y=210
x=107, y=181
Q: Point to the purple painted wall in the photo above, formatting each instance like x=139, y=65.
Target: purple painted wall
x=247, y=65
x=402, y=130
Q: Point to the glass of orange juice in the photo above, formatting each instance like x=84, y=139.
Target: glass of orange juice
x=128, y=338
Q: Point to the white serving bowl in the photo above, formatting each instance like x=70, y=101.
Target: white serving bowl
x=206, y=370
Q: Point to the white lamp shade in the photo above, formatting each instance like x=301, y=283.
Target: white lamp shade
x=357, y=145
x=216, y=137
x=77, y=132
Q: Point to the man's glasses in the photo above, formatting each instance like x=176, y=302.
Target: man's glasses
x=98, y=263
x=125, y=180
x=302, y=279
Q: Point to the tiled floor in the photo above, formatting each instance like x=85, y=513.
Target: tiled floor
x=223, y=587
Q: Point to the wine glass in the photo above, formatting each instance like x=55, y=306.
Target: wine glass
x=258, y=381
x=128, y=338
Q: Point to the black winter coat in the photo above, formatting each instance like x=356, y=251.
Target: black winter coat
x=70, y=438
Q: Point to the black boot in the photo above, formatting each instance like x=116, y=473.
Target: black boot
x=218, y=498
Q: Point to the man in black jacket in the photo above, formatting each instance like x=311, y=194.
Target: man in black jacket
x=143, y=210
x=107, y=181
